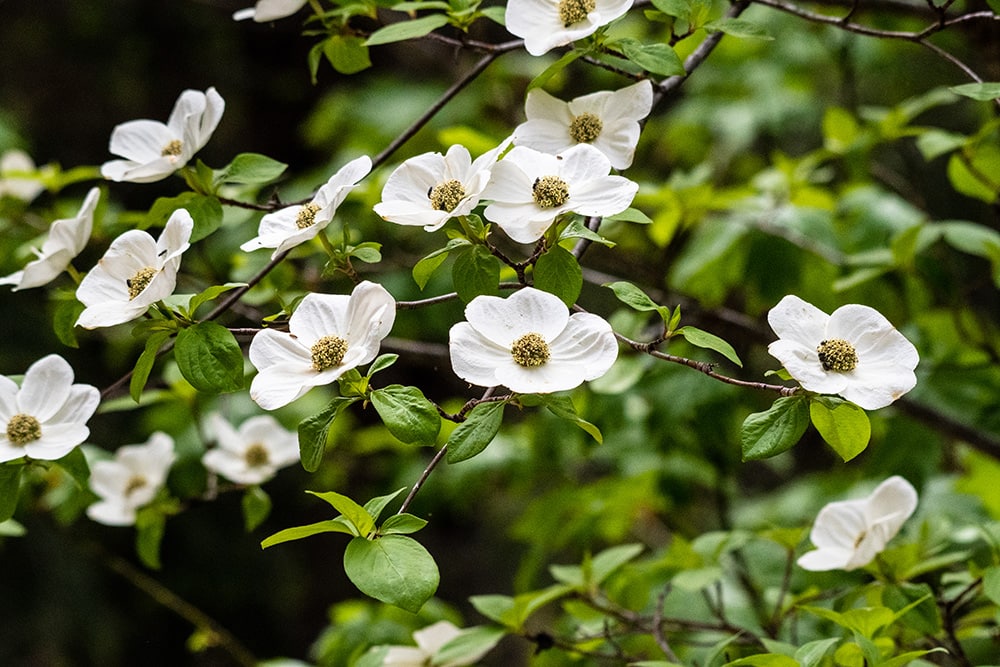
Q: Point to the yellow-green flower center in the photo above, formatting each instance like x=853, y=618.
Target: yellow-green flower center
x=173, y=149
x=135, y=483
x=574, y=11
x=838, y=355
x=22, y=429
x=256, y=455
x=585, y=128
x=139, y=281
x=446, y=196
x=328, y=352
x=307, y=215
x=530, y=350
x=550, y=191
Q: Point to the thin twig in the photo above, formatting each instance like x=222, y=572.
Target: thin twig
x=658, y=635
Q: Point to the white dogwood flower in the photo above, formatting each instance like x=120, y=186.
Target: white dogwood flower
x=530, y=343
x=13, y=163
x=607, y=120
x=430, y=189
x=46, y=417
x=328, y=334
x=152, y=150
x=849, y=534
x=252, y=453
x=292, y=225
x=130, y=480
x=67, y=239
x=531, y=189
x=270, y=10
x=135, y=272
x=546, y=24
x=854, y=352
x=429, y=641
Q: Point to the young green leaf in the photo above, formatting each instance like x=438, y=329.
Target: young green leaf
x=403, y=30
x=469, y=646
x=300, y=532
x=348, y=54
x=209, y=357
x=359, y=517
x=738, y=28
x=843, y=425
x=10, y=486
x=150, y=524
x=256, y=505
x=562, y=407
x=709, y=341
x=407, y=414
x=210, y=294
x=313, y=432
x=978, y=91
x=250, y=169
x=658, y=59
x=394, y=569
x=477, y=431
x=375, y=506
x=144, y=364
x=769, y=433
x=402, y=524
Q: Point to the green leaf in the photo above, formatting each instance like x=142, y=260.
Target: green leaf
x=477, y=431
x=314, y=431
x=811, y=653
x=368, y=252
x=678, y=8
x=375, y=506
x=904, y=659
x=631, y=215
x=209, y=357
x=425, y=268
x=575, y=229
x=144, y=364
x=359, y=517
x=397, y=32
x=476, y=272
x=765, y=660
x=738, y=28
x=256, y=506
x=658, y=59
x=150, y=524
x=978, y=91
x=76, y=466
x=769, y=433
x=10, y=488
x=635, y=298
x=496, y=14
x=710, y=342
x=348, y=54
x=381, y=363
x=991, y=584
x=557, y=271
x=553, y=69
x=205, y=210
x=64, y=317
x=402, y=524
x=605, y=563
x=300, y=532
x=843, y=425
x=933, y=143
x=210, y=294
x=250, y=169
x=494, y=607
x=562, y=407
x=407, y=414
x=394, y=569
x=469, y=646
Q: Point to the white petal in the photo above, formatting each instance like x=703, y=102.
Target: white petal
x=112, y=513
x=330, y=196
x=539, y=105
x=8, y=398
x=269, y=10
x=475, y=358
x=275, y=348
x=57, y=441
x=433, y=637
x=80, y=405
x=839, y=524
x=46, y=387
x=799, y=321
x=175, y=237
x=277, y=386
x=504, y=320
x=602, y=196
x=319, y=315
x=141, y=141
x=820, y=560
x=371, y=312
x=583, y=162
x=587, y=341
x=543, y=135
x=891, y=504
x=226, y=437
x=804, y=365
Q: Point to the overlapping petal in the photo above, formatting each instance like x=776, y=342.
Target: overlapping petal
x=539, y=23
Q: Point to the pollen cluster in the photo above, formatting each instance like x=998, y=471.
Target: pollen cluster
x=550, y=191
x=135, y=483
x=838, y=355
x=328, y=352
x=22, y=429
x=173, y=149
x=256, y=455
x=446, y=196
x=140, y=281
x=574, y=11
x=307, y=215
x=530, y=350
x=585, y=128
